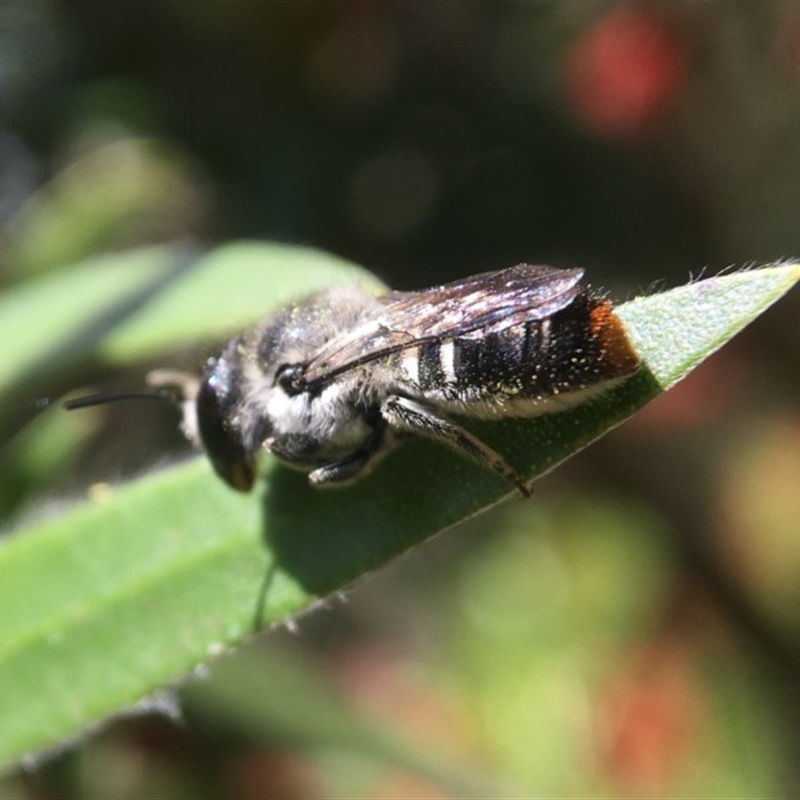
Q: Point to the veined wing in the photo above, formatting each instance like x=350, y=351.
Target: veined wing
x=489, y=302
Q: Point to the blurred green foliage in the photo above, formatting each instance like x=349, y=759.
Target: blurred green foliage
x=634, y=630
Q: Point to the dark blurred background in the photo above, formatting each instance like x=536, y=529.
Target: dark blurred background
x=634, y=630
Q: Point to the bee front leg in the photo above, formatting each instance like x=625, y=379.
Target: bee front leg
x=355, y=465
x=411, y=416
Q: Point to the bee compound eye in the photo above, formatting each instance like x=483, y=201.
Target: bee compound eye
x=221, y=439
x=289, y=377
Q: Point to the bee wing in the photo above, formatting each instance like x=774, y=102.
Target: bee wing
x=488, y=302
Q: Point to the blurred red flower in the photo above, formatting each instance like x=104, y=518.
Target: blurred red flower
x=623, y=74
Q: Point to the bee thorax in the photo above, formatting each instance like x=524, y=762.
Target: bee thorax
x=307, y=427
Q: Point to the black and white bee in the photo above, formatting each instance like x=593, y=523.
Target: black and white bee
x=331, y=382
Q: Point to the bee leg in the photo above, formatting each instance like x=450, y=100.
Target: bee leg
x=354, y=465
x=408, y=415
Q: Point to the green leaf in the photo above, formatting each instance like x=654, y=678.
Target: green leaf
x=135, y=587
x=230, y=288
x=136, y=305
x=54, y=318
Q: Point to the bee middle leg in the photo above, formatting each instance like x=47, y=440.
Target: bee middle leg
x=411, y=416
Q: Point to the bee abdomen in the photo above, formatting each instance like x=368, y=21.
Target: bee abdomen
x=580, y=346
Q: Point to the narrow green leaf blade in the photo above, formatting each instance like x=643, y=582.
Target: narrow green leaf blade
x=232, y=287
x=40, y=315
x=135, y=305
x=125, y=593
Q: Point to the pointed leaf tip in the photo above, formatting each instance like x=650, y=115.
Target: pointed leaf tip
x=675, y=330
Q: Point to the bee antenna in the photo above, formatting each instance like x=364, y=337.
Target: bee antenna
x=103, y=398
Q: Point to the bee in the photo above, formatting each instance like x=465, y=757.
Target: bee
x=333, y=381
